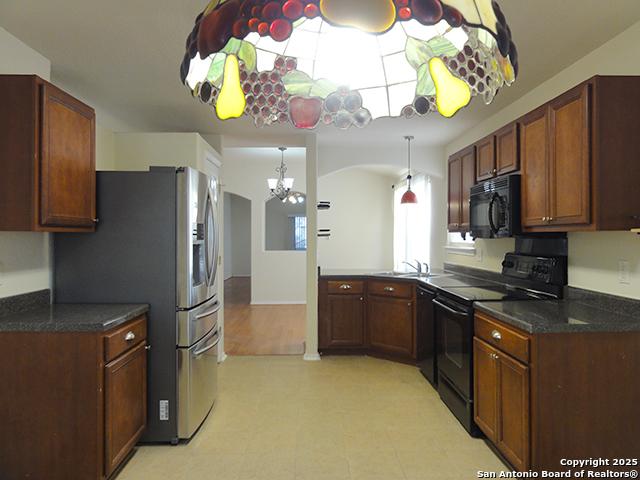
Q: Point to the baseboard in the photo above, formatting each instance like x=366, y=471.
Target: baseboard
x=278, y=303
x=312, y=357
x=240, y=276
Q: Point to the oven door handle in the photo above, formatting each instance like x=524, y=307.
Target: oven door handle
x=449, y=309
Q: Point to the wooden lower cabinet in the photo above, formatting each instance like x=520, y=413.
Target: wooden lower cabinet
x=390, y=324
x=345, y=321
x=502, y=402
x=574, y=397
x=368, y=316
x=69, y=412
x=125, y=405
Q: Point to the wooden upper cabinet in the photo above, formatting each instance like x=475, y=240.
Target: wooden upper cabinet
x=534, y=151
x=579, y=159
x=455, y=194
x=468, y=181
x=486, y=158
x=68, y=167
x=569, y=161
x=462, y=175
x=47, y=156
x=507, y=150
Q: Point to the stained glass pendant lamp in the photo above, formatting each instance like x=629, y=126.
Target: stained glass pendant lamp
x=346, y=62
x=409, y=196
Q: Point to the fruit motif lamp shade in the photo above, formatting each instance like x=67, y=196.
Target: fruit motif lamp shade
x=346, y=62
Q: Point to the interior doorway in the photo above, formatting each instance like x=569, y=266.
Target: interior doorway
x=265, y=313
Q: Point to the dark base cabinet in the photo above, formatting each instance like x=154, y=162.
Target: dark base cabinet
x=358, y=316
x=73, y=404
x=546, y=397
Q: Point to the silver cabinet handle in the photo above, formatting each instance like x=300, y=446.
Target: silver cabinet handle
x=496, y=335
x=130, y=337
x=389, y=289
x=148, y=347
x=346, y=286
x=495, y=357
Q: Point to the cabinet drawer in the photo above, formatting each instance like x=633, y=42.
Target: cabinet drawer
x=391, y=289
x=502, y=337
x=124, y=338
x=346, y=287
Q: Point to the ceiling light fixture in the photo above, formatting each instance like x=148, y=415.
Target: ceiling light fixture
x=281, y=187
x=346, y=62
x=409, y=197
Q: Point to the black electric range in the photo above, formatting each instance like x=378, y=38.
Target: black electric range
x=527, y=278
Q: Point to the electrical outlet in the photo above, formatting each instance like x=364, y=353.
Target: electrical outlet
x=1, y=274
x=479, y=254
x=624, y=272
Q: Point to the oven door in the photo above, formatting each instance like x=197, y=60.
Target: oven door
x=454, y=329
x=197, y=383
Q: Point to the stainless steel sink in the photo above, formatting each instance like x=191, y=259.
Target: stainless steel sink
x=406, y=274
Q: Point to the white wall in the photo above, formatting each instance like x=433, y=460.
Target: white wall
x=237, y=236
x=24, y=257
x=593, y=257
x=360, y=219
x=228, y=245
x=276, y=277
x=425, y=159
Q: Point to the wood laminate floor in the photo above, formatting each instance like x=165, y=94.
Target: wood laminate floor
x=260, y=329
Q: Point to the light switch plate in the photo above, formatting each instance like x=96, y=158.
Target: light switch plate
x=624, y=272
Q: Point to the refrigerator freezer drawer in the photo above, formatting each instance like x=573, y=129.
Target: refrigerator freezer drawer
x=194, y=324
x=197, y=383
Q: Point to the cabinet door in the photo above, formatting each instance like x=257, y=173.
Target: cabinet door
x=486, y=154
x=390, y=324
x=125, y=402
x=570, y=166
x=455, y=190
x=67, y=167
x=345, y=321
x=507, y=154
x=485, y=383
x=468, y=181
x=534, y=151
x=513, y=438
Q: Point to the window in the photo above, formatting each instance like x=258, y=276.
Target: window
x=300, y=233
x=412, y=224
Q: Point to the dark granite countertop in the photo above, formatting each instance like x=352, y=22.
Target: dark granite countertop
x=560, y=316
x=580, y=310
x=71, y=318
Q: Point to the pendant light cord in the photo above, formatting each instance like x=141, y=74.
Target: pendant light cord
x=409, y=138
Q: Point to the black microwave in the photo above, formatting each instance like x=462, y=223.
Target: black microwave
x=495, y=208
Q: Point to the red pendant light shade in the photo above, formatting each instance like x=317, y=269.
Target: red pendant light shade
x=409, y=197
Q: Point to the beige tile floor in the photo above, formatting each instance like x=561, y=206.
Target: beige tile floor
x=281, y=418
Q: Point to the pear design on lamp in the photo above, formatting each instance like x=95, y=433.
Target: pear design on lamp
x=231, y=101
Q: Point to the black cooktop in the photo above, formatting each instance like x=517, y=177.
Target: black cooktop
x=496, y=293
x=458, y=281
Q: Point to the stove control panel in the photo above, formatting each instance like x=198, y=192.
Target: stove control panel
x=546, y=270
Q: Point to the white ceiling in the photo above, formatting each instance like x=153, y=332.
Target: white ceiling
x=124, y=58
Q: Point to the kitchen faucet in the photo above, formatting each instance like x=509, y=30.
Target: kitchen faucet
x=418, y=267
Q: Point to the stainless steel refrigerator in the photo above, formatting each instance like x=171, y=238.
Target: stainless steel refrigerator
x=157, y=242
